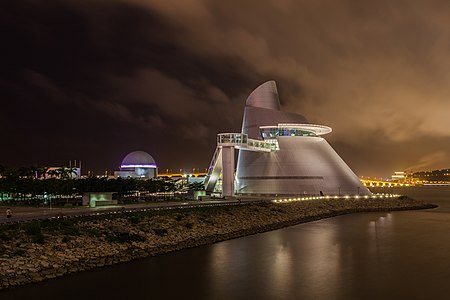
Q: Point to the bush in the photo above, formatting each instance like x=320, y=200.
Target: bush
x=134, y=219
x=33, y=228
x=64, y=227
x=125, y=237
x=4, y=236
x=93, y=232
x=70, y=230
x=19, y=252
x=277, y=209
x=38, y=238
x=189, y=225
x=65, y=239
x=160, y=231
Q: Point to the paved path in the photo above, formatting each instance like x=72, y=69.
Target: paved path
x=20, y=213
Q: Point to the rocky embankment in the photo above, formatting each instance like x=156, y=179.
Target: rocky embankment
x=36, y=251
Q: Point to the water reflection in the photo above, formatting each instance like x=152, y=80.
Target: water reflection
x=399, y=255
x=281, y=269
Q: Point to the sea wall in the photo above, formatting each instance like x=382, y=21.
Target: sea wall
x=37, y=251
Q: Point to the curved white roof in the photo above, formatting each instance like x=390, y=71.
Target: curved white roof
x=265, y=96
x=138, y=159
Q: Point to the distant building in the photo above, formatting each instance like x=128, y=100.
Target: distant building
x=399, y=176
x=137, y=164
x=435, y=176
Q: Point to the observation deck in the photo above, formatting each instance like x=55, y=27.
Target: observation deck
x=242, y=142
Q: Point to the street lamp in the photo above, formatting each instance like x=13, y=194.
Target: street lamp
x=46, y=197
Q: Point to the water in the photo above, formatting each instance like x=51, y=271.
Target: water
x=398, y=255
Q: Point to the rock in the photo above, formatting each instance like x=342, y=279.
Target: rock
x=45, y=264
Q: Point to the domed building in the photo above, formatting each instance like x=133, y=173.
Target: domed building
x=137, y=164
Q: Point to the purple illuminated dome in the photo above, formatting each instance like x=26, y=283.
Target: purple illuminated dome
x=137, y=164
x=138, y=159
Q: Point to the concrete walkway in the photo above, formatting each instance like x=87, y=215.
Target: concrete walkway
x=21, y=213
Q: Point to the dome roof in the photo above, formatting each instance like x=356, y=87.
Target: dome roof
x=138, y=159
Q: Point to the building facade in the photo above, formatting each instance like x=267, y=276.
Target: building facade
x=280, y=153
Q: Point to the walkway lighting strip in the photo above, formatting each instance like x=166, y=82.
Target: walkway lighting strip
x=138, y=166
x=374, y=196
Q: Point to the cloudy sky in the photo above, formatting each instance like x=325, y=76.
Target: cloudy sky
x=96, y=79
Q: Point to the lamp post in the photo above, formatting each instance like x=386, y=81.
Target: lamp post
x=46, y=197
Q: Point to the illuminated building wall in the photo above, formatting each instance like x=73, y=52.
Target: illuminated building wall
x=302, y=162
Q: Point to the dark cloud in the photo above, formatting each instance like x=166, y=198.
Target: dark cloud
x=94, y=80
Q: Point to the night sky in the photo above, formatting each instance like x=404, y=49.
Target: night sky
x=96, y=79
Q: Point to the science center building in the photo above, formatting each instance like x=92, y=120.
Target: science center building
x=279, y=153
x=137, y=164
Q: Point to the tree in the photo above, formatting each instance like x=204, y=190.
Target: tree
x=53, y=173
x=196, y=186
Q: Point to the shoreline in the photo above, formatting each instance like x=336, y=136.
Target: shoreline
x=41, y=250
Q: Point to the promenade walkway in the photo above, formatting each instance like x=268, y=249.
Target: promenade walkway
x=26, y=213
x=20, y=213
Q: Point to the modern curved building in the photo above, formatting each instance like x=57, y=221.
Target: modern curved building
x=280, y=153
x=137, y=164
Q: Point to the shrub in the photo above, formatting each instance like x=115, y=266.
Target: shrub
x=65, y=227
x=134, y=219
x=125, y=237
x=277, y=209
x=33, y=228
x=70, y=230
x=4, y=236
x=112, y=238
x=18, y=252
x=65, y=239
x=38, y=238
x=189, y=225
x=93, y=232
x=160, y=231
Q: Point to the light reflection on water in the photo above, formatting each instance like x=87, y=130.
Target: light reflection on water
x=398, y=255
